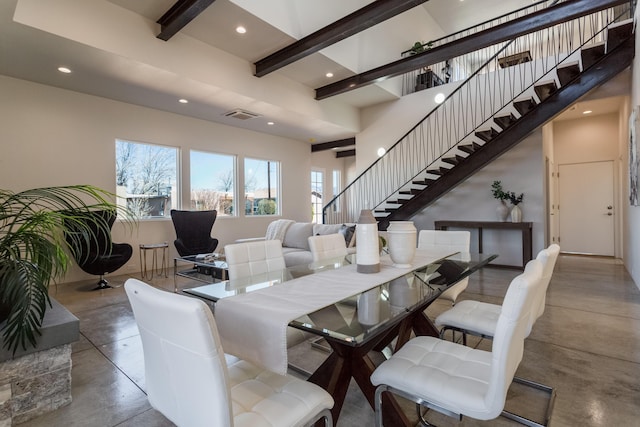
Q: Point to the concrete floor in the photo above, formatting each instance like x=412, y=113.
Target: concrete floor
x=586, y=344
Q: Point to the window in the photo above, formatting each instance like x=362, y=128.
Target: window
x=261, y=187
x=213, y=182
x=146, y=176
x=317, y=178
x=337, y=188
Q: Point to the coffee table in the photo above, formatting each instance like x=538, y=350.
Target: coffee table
x=211, y=268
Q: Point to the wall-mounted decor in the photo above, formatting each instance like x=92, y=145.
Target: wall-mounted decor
x=634, y=156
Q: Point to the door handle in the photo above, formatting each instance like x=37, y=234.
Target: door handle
x=609, y=214
x=609, y=207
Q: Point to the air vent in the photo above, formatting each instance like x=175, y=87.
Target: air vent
x=241, y=114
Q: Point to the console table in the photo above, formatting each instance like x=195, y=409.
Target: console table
x=525, y=227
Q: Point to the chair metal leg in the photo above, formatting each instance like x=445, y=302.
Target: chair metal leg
x=324, y=415
x=526, y=421
x=417, y=400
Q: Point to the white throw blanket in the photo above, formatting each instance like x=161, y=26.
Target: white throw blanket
x=277, y=229
x=253, y=326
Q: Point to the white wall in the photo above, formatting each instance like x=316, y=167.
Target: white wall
x=520, y=170
x=632, y=213
x=53, y=137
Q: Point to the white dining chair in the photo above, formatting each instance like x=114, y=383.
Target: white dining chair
x=258, y=257
x=253, y=258
x=481, y=319
x=457, y=380
x=451, y=240
x=193, y=383
x=327, y=246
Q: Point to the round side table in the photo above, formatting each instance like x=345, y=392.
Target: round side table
x=154, y=248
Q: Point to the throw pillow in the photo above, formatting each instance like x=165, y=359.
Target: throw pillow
x=349, y=233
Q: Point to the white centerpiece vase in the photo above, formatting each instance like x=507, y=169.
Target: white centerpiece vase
x=367, y=246
x=402, y=240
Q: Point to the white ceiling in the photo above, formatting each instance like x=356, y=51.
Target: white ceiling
x=34, y=54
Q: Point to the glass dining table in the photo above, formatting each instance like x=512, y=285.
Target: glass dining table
x=379, y=318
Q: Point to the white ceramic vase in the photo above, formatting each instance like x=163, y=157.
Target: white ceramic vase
x=367, y=246
x=516, y=214
x=402, y=240
x=369, y=307
x=502, y=211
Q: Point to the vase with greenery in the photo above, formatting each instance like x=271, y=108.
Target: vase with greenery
x=499, y=194
x=33, y=250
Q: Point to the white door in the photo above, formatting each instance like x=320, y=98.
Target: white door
x=586, y=208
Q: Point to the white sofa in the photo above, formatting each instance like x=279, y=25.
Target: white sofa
x=295, y=235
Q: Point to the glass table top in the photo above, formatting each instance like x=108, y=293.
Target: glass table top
x=353, y=319
x=228, y=288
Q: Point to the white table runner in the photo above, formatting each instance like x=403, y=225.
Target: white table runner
x=253, y=326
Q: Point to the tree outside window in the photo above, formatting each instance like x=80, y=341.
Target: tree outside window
x=261, y=187
x=213, y=182
x=146, y=177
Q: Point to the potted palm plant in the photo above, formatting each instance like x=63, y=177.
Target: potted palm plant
x=32, y=251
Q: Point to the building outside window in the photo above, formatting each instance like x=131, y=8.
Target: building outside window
x=213, y=182
x=317, y=182
x=146, y=178
x=261, y=187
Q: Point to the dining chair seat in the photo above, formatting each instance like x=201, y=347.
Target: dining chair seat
x=481, y=317
x=193, y=383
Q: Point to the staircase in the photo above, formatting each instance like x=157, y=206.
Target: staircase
x=455, y=149
x=573, y=81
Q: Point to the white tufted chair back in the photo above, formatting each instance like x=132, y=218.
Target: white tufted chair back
x=511, y=330
x=454, y=241
x=252, y=258
x=185, y=370
x=548, y=257
x=327, y=246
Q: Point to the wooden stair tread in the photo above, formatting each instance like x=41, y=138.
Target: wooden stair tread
x=567, y=73
x=524, y=106
x=545, y=90
x=487, y=135
x=616, y=34
x=469, y=148
x=505, y=121
x=591, y=55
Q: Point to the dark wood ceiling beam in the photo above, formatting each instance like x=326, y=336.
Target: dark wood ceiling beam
x=180, y=14
x=360, y=20
x=333, y=144
x=346, y=153
x=545, y=18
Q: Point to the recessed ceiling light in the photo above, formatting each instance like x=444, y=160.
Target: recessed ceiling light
x=64, y=70
x=329, y=75
x=183, y=101
x=587, y=112
x=240, y=29
x=270, y=123
x=381, y=151
x=439, y=98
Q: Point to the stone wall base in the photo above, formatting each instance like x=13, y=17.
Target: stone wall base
x=34, y=384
